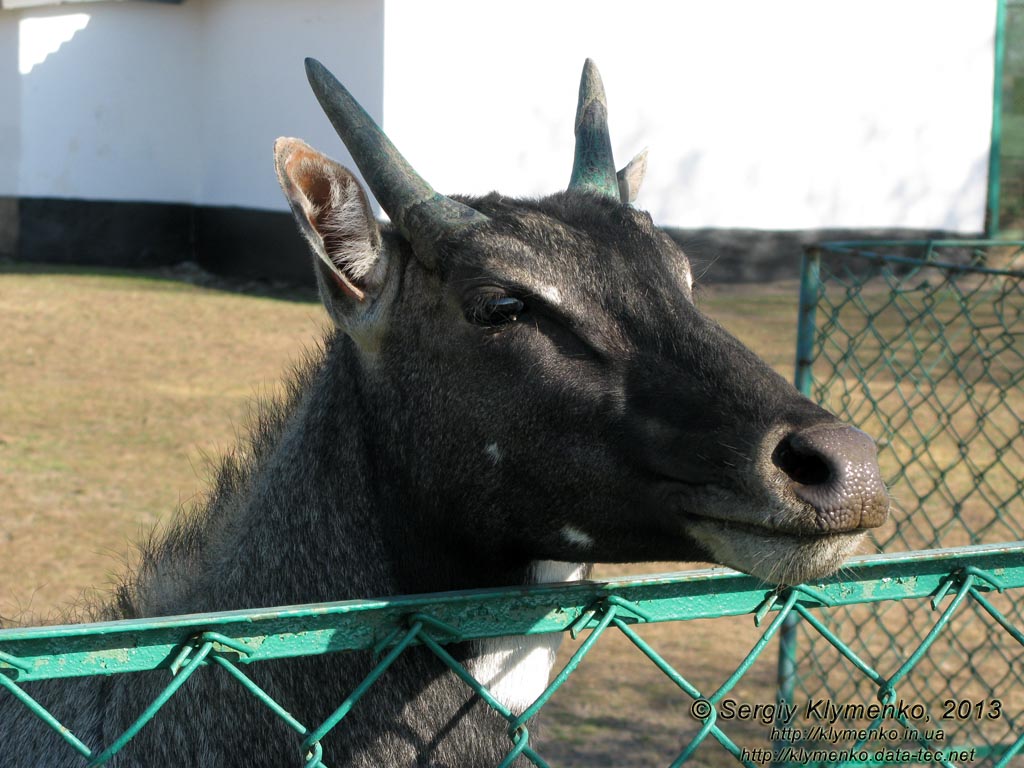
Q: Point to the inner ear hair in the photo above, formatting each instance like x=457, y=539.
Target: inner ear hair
x=335, y=216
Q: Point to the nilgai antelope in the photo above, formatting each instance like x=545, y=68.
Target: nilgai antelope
x=512, y=389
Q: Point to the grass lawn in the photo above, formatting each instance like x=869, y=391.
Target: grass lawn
x=119, y=388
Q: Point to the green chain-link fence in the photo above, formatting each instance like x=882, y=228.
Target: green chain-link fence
x=891, y=728
x=922, y=345
x=903, y=658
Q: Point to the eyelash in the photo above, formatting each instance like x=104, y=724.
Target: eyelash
x=492, y=310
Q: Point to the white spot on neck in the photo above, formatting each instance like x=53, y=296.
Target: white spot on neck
x=516, y=668
x=574, y=535
x=494, y=452
x=555, y=571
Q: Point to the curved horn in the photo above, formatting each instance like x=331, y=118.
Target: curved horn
x=593, y=166
x=420, y=213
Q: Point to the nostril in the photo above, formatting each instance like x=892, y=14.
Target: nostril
x=834, y=468
x=803, y=466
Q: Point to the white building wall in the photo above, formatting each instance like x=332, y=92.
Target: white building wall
x=254, y=86
x=172, y=103
x=102, y=112
x=790, y=114
x=10, y=112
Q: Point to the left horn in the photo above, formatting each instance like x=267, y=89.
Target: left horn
x=593, y=167
x=420, y=213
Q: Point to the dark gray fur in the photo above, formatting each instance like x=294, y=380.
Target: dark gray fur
x=617, y=407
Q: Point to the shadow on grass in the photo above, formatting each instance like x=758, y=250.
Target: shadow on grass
x=181, y=274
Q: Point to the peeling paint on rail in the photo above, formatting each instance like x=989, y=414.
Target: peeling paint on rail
x=42, y=653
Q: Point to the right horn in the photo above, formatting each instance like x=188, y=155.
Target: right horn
x=593, y=167
x=421, y=214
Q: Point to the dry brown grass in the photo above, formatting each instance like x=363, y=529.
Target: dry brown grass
x=115, y=390
x=116, y=387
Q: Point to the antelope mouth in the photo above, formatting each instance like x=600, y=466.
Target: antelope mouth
x=772, y=536
x=774, y=555
x=765, y=511
x=772, y=531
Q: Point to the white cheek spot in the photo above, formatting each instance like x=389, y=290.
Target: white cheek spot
x=551, y=293
x=494, y=452
x=574, y=535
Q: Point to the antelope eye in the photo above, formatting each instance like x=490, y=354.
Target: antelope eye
x=493, y=310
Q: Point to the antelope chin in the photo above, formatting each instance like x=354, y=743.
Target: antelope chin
x=777, y=558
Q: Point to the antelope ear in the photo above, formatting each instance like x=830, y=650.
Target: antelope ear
x=333, y=213
x=631, y=177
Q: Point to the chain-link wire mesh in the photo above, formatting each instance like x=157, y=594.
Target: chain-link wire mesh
x=921, y=344
x=889, y=727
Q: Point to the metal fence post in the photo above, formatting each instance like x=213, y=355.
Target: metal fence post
x=996, y=143
x=810, y=285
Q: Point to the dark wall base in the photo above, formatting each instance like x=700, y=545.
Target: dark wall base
x=98, y=233
x=233, y=242
x=265, y=245
x=258, y=245
x=757, y=255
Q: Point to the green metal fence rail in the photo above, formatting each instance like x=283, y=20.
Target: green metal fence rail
x=921, y=343
x=946, y=583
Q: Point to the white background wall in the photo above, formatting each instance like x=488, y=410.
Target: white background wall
x=781, y=114
x=788, y=114
x=173, y=103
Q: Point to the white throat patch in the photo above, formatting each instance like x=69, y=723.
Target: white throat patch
x=516, y=668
